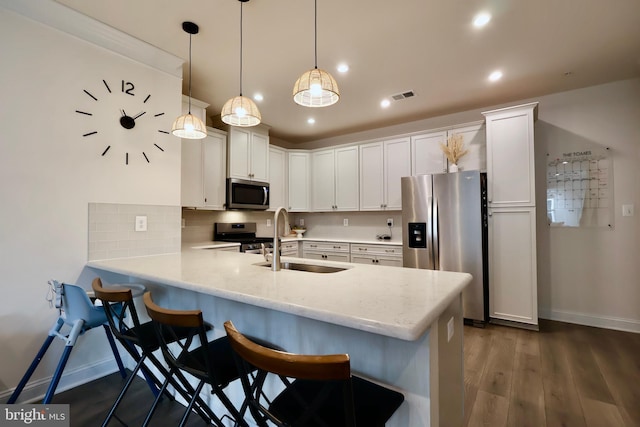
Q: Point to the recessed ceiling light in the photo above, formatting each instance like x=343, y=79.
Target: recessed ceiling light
x=258, y=97
x=495, y=76
x=311, y=120
x=385, y=103
x=481, y=19
x=343, y=68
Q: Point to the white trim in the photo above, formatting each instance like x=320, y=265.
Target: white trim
x=34, y=391
x=607, y=322
x=63, y=18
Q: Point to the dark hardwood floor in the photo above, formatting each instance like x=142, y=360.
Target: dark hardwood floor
x=565, y=375
x=89, y=404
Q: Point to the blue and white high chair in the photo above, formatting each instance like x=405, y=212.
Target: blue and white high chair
x=79, y=314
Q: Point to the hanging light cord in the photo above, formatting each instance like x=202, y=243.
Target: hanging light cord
x=241, y=3
x=190, y=73
x=315, y=12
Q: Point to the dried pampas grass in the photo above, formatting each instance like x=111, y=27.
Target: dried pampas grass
x=454, y=150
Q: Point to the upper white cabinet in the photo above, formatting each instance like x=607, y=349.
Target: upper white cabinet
x=334, y=179
x=248, y=154
x=277, y=177
x=204, y=170
x=299, y=177
x=428, y=157
x=382, y=164
x=510, y=156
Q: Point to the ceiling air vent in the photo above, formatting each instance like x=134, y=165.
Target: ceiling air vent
x=403, y=95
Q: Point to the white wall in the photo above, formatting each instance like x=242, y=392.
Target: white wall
x=49, y=173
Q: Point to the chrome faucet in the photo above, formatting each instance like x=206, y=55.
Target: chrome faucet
x=275, y=263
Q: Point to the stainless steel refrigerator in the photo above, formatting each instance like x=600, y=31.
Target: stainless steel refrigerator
x=444, y=227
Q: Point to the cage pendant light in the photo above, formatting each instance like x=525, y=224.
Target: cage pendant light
x=240, y=110
x=316, y=87
x=189, y=126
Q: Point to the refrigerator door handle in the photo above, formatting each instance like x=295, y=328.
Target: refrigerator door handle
x=435, y=224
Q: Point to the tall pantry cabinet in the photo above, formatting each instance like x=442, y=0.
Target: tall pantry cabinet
x=513, y=292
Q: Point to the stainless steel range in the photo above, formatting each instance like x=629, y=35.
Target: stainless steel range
x=243, y=233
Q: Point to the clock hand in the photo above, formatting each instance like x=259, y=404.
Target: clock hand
x=138, y=115
x=123, y=113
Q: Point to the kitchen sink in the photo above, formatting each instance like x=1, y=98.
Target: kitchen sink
x=312, y=268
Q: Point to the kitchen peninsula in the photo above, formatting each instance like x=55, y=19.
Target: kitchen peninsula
x=402, y=327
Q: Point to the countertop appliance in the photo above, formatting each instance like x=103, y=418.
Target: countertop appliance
x=243, y=233
x=243, y=194
x=444, y=227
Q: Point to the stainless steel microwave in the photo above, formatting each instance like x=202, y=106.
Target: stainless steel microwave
x=243, y=194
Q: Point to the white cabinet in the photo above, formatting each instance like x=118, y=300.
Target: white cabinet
x=512, y=215
x=382, y=164
x=510, y=156
x=289, y=249
x=329, y=251
x=277, y=177
x=427, y=156
x=512, y=265
x=204, y=171
x=248, y=154
x=376, y=254
x=334, y=179
x=299, y=176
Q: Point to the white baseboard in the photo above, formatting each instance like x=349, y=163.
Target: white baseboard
x=34, y=391
x=607, y=322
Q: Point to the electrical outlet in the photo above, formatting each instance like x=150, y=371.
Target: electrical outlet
x=627, y=210
x=141, y=223
x=345, y=222
x=389, y=222
x=450, y=329
x=301, y=222
x=268, y=223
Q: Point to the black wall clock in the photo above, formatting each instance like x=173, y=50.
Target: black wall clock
x=132, y=112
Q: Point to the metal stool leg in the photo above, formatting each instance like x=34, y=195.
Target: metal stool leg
x=36, y=361
x=116, y=354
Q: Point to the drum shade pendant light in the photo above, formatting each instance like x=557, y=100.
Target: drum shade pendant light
x=189, y=126
x=239, y=110
x=316, y=87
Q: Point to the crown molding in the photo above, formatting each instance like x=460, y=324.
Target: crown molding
x=67, y=20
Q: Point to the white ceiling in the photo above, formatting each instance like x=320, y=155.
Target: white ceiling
x=428, y=46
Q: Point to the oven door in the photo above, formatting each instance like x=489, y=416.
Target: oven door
x=243, y=194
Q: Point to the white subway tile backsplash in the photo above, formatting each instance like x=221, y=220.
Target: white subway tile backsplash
x=112, y=230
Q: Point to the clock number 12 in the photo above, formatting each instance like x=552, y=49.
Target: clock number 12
x=127, y=87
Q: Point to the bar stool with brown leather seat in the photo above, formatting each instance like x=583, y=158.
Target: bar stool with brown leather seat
x=319, y=390
x=118, y=303
x=210, y=362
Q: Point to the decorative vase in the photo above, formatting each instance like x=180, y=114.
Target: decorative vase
x=453, y=167
x=299, y=232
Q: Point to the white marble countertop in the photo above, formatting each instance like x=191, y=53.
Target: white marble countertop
x=390, y=301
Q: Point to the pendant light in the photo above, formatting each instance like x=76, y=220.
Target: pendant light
x=189, y=126
x=316, y=87
x=240, y=110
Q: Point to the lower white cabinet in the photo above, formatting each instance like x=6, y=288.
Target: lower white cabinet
x=513, y=280
x=376, y=255
x=204, y=171
x=329, y=251
x=289, y=249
